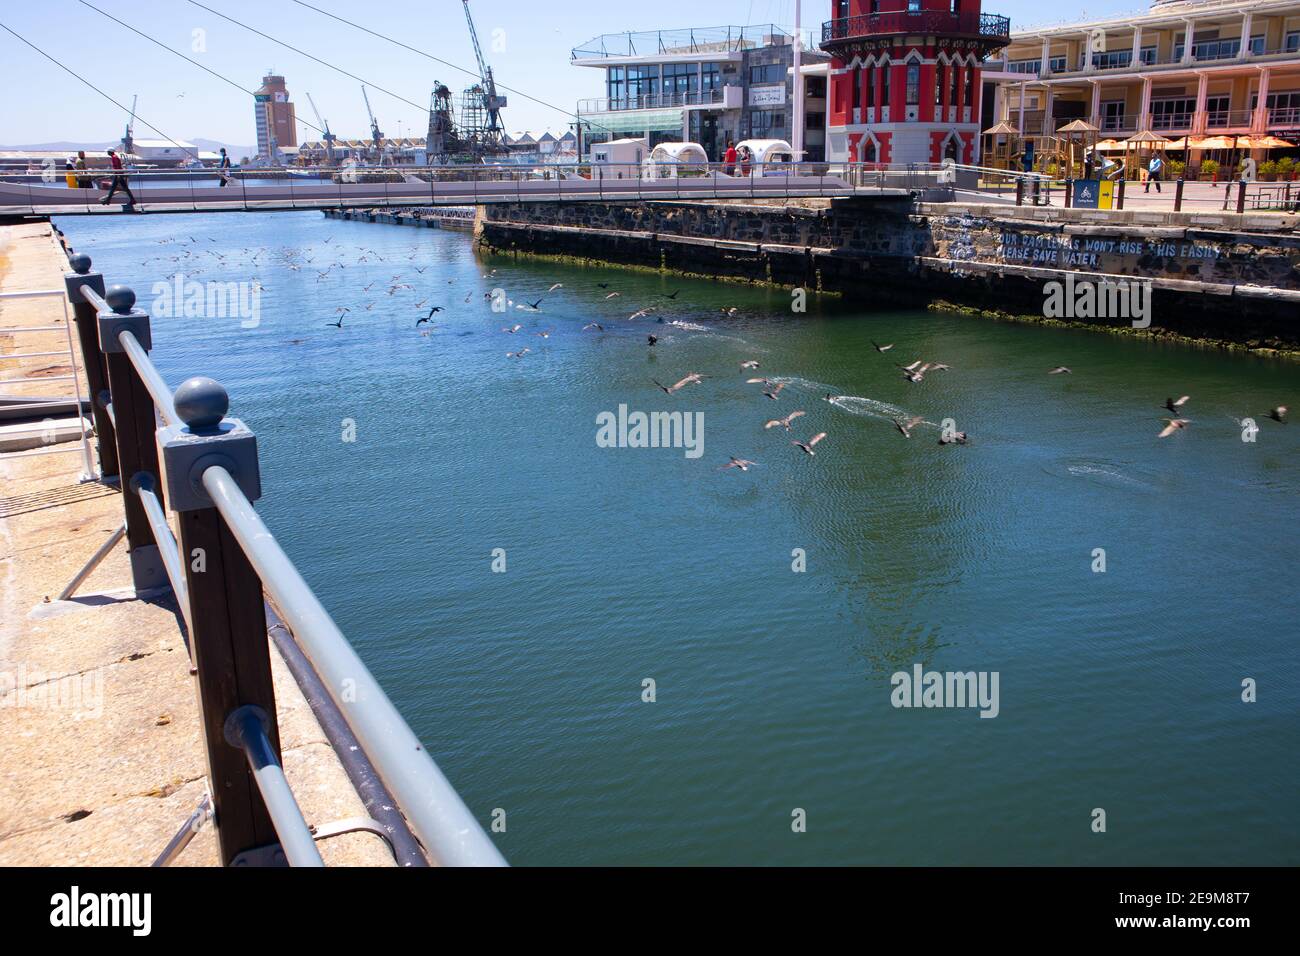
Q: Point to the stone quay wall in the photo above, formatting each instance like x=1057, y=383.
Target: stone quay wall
x=1229, y=279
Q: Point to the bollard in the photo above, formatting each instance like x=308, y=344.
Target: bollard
x=1119, y=195
x=1241, y=196
x=1069, y=193
x=1020, y=192
x=231, y=651
x=1178, y=195
x=133, y=415
x=92, y=359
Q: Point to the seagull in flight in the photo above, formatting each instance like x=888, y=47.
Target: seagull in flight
x=691, y=379
x=881, y=348
x=1174, y=406
x=1278, y=414
x=338, y=324
x=905, y=426
x=1059, y=370
x=512, y=330
x=1173, y=425
x=744, y=464
x=784, y=422
x=749, y=364
x=808, y=445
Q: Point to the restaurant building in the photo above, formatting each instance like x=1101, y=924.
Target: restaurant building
x=1203, y=73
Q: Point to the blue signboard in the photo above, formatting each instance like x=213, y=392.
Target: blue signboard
x=1087, y=194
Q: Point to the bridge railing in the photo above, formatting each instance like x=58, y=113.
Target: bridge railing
x=351, y=187
x=180, y=453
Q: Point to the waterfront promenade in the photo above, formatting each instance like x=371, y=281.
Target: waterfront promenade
x=101, y=759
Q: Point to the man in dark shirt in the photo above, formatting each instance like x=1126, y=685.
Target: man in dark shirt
x=119, y=181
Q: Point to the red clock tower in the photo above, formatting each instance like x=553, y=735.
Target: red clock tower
x=905, y=78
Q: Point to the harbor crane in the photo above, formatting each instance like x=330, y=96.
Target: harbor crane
x=375, y=134
x=128, y=139
x=487, y=89
x=326, y=135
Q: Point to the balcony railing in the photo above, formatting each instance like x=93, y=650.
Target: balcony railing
x=725, y=39
x=649, y=101
x=986, y=25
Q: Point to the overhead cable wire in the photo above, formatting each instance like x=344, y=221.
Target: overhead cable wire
x=87, y=82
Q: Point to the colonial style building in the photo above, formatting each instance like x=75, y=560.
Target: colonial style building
x=1185, y=68
x=905, y=78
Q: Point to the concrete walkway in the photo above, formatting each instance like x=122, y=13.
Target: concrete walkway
x=100, y=757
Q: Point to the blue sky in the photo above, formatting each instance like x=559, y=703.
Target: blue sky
x=526, y=41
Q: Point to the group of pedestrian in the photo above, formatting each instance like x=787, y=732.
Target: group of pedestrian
x=734, y=156
x=76, y=175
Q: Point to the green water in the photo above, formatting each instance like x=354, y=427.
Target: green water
x=1118, y=690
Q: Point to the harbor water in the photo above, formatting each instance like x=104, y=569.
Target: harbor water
x=402, y=471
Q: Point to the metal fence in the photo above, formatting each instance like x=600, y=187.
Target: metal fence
x=180, y=453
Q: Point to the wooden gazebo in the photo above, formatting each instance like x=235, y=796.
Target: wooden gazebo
x=1075, y=143
x=1002, y=146
x=1138, y=150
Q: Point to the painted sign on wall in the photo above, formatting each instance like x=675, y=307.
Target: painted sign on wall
x=767, y=95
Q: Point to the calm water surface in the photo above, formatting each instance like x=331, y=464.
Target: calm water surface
x=1118, y=690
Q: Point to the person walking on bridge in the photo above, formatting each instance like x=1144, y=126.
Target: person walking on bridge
x=1154, y=168
x=223, y=167
x=83, y=182
x=729, y=159
x=119, y=181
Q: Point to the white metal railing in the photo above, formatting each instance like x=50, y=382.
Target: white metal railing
x=84, y=426
x=431, y=806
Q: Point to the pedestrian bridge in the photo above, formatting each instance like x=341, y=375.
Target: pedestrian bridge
x=45, y=194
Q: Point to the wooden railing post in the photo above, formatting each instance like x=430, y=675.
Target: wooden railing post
x=135, y=422
x=92, y=359
x=229, y=640
x=1178, y=194
x=1241, y=196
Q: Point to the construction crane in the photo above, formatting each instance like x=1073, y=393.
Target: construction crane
x=326, y=135
x=375, y=135
x=486, y=91
x=128, y=140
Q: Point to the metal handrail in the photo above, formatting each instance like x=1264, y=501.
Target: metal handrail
x=435, y=810
x=89, y=473
x=144, y=487
x=246, y=728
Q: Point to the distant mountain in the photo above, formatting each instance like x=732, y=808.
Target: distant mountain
x=63, y=145
x=211, y=145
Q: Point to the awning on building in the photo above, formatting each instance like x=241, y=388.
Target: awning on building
x=634, y=121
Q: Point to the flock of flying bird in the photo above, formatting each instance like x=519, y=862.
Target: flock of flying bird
x=914, y=372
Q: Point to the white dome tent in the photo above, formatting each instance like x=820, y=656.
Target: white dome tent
x=671, y=160
x=767, y=157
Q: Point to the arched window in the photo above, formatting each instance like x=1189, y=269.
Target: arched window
x=867, y=151
x=938, y=84
x=950, y=149
x=913, y=84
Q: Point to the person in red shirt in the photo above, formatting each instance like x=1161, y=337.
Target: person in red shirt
x=729, y=158
x=119, y=181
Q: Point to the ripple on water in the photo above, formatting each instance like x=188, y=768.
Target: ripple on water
x=1113, y=474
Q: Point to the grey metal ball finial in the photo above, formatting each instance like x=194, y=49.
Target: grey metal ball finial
x=120, y=298
x=201, y=402
x=80, y=263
